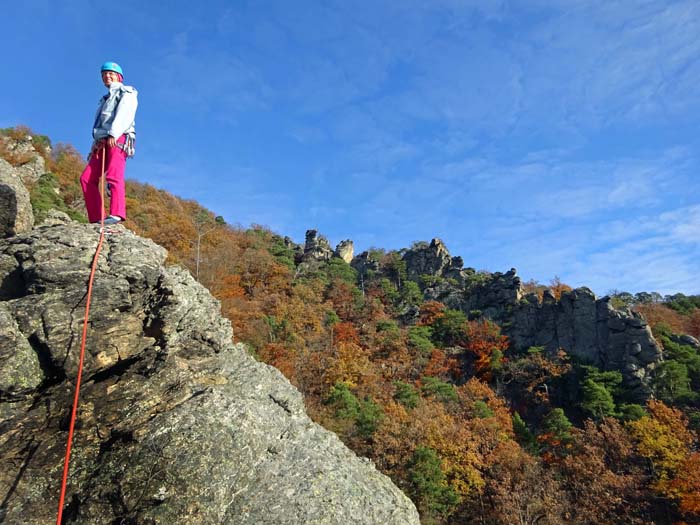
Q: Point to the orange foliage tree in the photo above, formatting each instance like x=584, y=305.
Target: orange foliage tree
x=557, y=287
x=456, y=445
x=441, y=365
x=430, y=311
x=487, y=345
x=519, y=491
x=685, y=486
x=602, y=476
x=658, y=314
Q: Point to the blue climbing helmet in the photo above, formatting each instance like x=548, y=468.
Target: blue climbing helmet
x=112, y=66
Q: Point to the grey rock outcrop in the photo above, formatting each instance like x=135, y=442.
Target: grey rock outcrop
x=591, y=330
x=16, y=214
x=584, y=326
x=34, y=167
x=345, y=250
x=494, y=294
x=20, y=369
x=432, y=259
x=316, y=247
x=176, y=424
x=297, y=249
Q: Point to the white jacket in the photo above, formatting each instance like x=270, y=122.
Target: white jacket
x=116, y=113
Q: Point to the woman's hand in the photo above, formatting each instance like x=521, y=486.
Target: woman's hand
x=111, y=142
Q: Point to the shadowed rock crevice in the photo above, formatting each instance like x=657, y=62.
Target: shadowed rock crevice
x=71, y=510
x=53, y=375
x=116, y=437
x=12, y=285
x=282, y=403
x=27, y=454
x=116, y=370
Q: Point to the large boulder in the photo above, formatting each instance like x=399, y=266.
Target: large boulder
x=176, y=424
x=16, y=214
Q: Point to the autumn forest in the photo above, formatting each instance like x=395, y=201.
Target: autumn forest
x=473, y=431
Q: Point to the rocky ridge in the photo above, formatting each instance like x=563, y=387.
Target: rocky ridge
x=585, y=326
x=176, y=424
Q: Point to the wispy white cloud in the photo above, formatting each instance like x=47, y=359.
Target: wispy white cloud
x=643, y=57
x=683, y=225
x=203, y=79
x=653, y=262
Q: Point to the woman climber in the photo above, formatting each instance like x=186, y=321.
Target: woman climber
x=114, y=137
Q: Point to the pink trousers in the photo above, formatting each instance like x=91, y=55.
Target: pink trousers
x=115, y=163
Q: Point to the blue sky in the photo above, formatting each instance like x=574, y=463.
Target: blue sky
x=559, y=137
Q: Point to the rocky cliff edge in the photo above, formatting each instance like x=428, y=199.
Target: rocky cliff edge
x=176, y=423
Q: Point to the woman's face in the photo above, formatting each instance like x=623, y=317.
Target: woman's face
x=108, y=77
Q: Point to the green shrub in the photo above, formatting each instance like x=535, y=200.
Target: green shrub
x=445, y=392
x=671, y=382
x=419, y=337
x=597, y=400
x=406, y=394
x=346, y=405
x=631, y=412
x=449, y=329
x=429, y=487
x=523, y=435
x=44, y=197
x=558, y=425
x=686, y=355
x=411, y=294
x=365, y=414
x=337, y=268
x=369, y=417
x=387, y=325
x=481, y=410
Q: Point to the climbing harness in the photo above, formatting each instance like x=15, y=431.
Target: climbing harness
x=71, y=428
x=129, y=146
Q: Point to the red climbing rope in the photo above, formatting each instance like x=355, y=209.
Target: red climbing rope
x=66, y=463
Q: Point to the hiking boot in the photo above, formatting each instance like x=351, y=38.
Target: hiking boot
x=112, y=219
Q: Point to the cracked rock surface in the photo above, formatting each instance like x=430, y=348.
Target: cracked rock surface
x=176, y=424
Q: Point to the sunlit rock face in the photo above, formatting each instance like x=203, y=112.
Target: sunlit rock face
x=176, y=424
x=345, y=250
